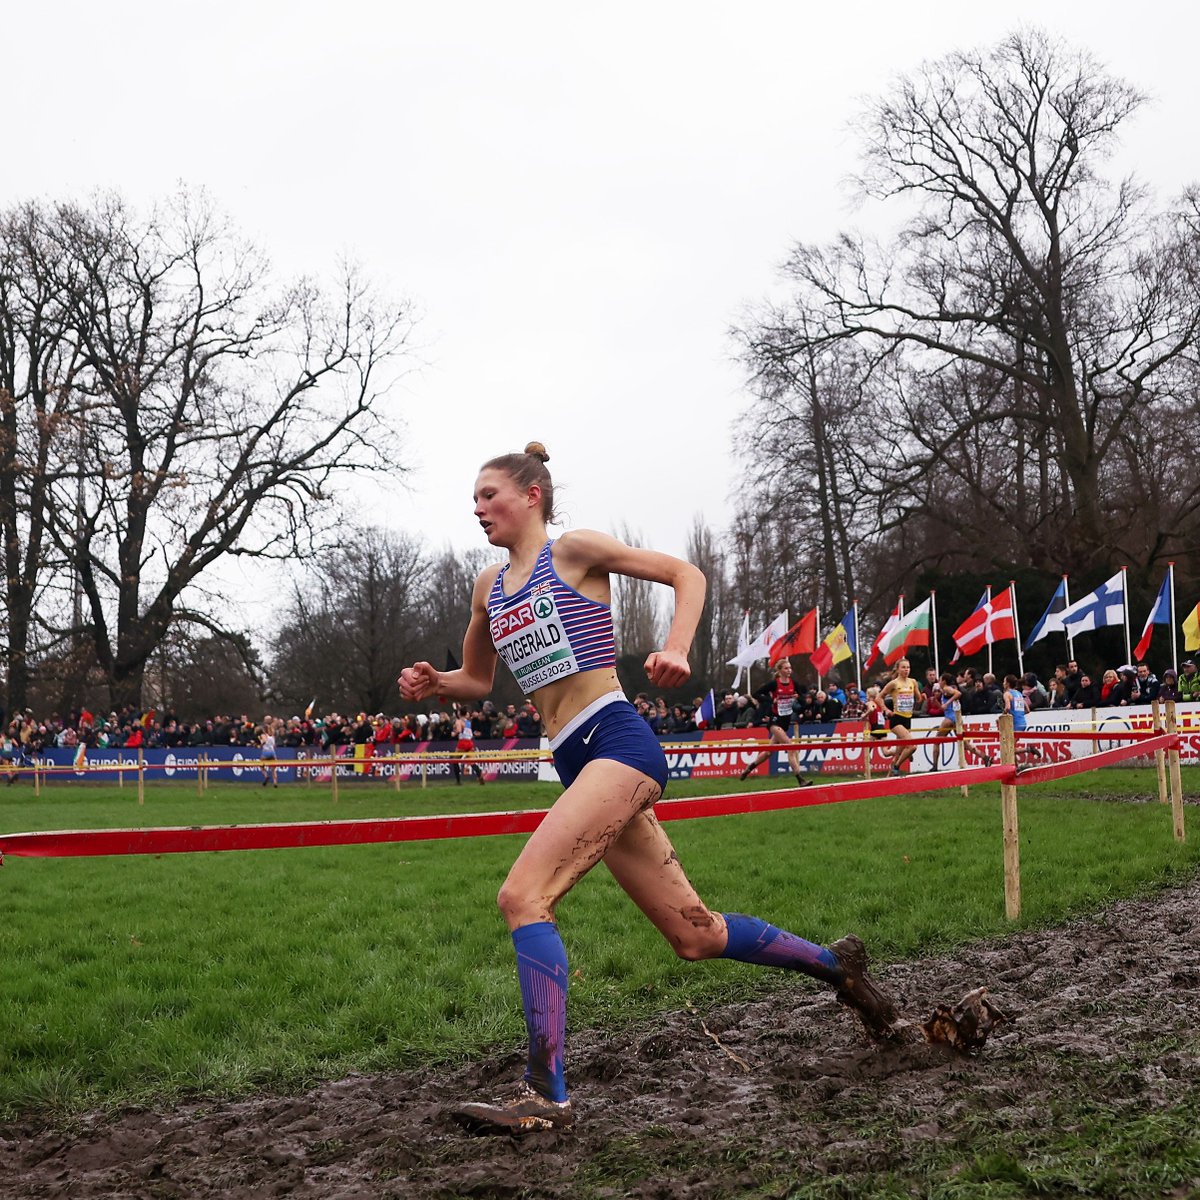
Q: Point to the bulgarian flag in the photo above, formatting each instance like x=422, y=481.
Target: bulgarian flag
x=884, y=633
x=910, y=630
x=839, y=644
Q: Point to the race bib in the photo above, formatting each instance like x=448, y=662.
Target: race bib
x=530, y=637
x=785, y=704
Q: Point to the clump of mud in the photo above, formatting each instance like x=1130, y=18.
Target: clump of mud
x=696, y=1105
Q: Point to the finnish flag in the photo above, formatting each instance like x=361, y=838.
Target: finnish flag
x=1104, y=606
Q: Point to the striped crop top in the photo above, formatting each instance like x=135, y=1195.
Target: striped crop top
x=547, y=630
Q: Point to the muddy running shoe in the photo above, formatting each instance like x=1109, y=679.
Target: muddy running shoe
x=860, y=992
x=527, y=1111
x=746, y=773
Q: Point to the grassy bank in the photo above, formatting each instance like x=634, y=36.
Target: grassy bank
x=137, y=977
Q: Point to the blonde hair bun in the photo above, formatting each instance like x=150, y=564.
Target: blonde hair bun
x=538, y=451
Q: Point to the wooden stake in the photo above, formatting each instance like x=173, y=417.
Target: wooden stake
x=962, y=749
x=867, y=739
x=395, y=770
x=1160, y=758
x=1176, y=780
x=141, y=776
x=1008, y=801
x=333, y=779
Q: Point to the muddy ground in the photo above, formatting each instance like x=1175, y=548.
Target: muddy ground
x=754, y=1098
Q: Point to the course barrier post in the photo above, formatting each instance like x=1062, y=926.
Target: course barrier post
x=333, y=779
x=199, y=774
x=867, y=739
x=962, y=749
x=37, y=776
x=1176, y=778
x=141, y=776
x=1008, y=801
x=395, y=761
x=1160, y=759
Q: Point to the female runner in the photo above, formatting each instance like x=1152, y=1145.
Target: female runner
x=903, y=690
x=546, y=612
x=779, y=699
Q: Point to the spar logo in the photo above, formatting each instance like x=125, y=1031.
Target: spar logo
x=508, y=623
x=543, y=606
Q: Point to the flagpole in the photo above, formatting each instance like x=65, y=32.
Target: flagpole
x=988, y=589
x=1012, y=600
x=817, y=634
x=858, y=646
x=933, y=624
x=1067, y=628
x=1174, y=651
x=1125, y=610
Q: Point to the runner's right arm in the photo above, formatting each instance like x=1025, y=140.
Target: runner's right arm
x=478, y=671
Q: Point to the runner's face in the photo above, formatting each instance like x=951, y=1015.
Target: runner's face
x=903, y=667
x=503, y=509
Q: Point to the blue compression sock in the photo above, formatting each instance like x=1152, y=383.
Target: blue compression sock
x=542, y=973
x=754, y=941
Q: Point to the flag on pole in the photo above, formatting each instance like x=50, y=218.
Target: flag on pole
x=840, y=643
x=882, y=635
x=308, y=712
x=1104, y=606
x=706, y=711
x=992, y=621
x=1191, y=629
x=910, y=630
x=987, y=595
x=1051, y=620
x=1160, y=614
x=81, y=756
x=800, y=639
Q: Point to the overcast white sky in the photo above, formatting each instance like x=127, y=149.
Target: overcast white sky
x=579, y=199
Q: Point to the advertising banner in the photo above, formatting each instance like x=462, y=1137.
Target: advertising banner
x=242, y=764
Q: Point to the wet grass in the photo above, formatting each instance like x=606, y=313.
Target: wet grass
x=144, y=977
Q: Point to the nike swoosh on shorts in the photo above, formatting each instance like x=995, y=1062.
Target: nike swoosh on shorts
x=589, y=734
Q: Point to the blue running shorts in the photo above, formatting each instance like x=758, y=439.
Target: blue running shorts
x=609, y=728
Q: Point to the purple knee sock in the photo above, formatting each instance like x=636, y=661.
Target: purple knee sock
x=542, y=973
x=754, y=941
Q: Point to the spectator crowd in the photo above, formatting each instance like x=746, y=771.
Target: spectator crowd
x=982, y=693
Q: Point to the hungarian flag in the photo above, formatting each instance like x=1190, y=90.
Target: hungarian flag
x=1160, y=614
x=991, y=622
x=839, y=644
x=1191, y=629
x=800, y=639
x=910, y=630
x=883, y=634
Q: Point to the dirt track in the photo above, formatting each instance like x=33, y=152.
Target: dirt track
x=749, y=1098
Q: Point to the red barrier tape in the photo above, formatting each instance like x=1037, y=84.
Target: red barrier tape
x=287, y=835
x=1105, y=758
x=284, y=835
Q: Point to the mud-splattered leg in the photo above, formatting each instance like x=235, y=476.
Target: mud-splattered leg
x=576, y=834
x=645, y=864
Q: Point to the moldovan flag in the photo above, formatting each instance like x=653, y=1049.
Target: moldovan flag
x=839, y=644
x=991, y=622
x=1191, y=629
x=1160, y=614
x=910, y=630
x=800, y=639
x=882, y=635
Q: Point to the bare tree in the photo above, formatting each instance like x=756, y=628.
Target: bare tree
x=637, y=613
x=352, y=625
x=212, y=416
x=1029, y=320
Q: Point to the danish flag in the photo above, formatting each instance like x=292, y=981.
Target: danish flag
x=990, y=622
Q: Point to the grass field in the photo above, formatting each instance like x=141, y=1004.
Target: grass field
x=137, y=977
